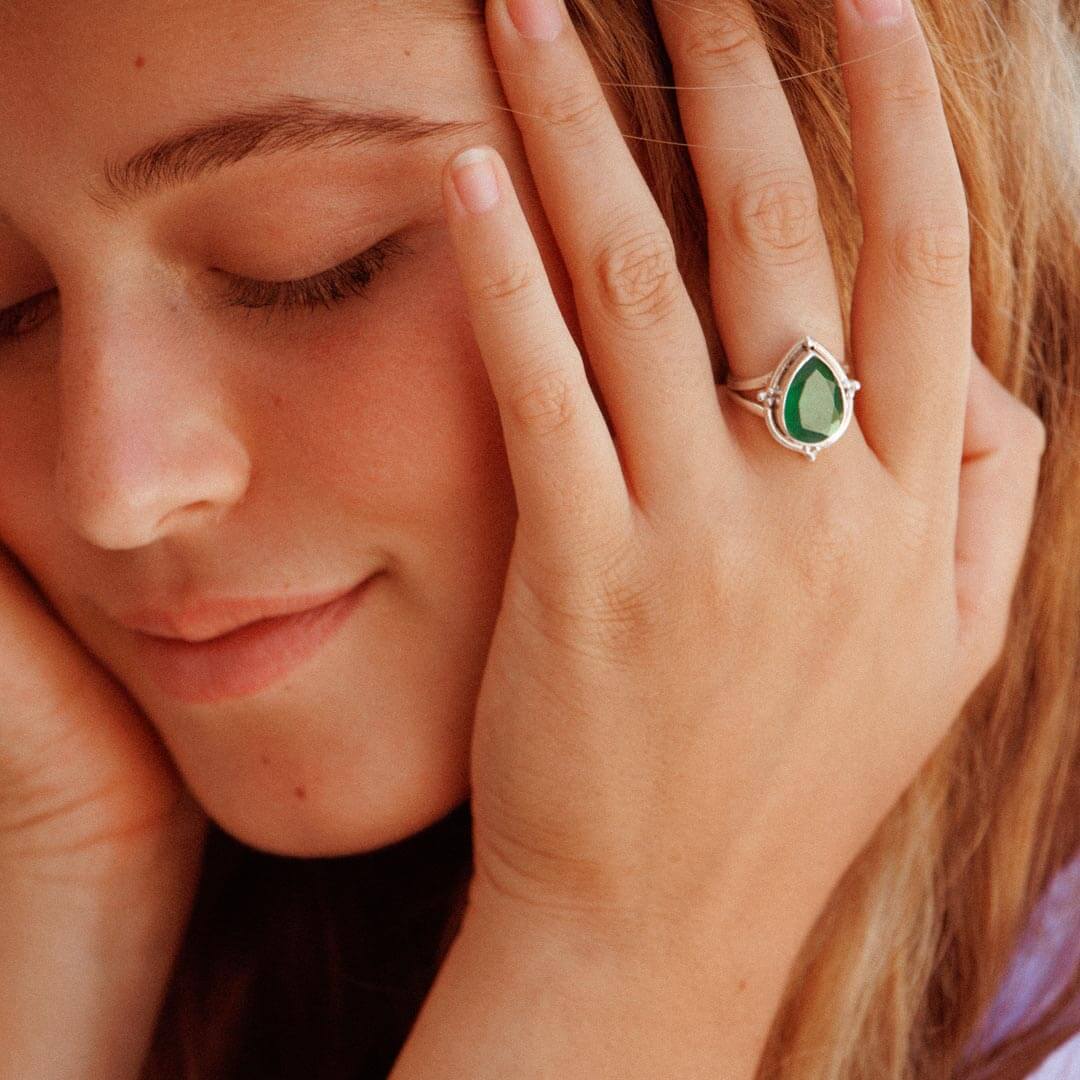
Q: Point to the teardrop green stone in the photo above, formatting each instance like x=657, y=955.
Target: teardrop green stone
x=814, y=402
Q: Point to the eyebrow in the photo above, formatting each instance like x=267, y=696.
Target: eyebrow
x=285, y=125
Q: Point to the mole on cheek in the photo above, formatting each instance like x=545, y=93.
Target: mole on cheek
x=139, y=61
x=301, y=793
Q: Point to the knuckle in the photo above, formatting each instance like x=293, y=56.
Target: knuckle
x=638, y=277
x=543, y=402
x=997, y=641
x=775, y=218
x=920, y=536
x=633, y=614
x=984, y=638
x=825, y=572
x=618, y=605
x=577, y=112
x=911, y=93
x=720, y=41
x=932, y=253
x=1033, y=429
x=510, y=286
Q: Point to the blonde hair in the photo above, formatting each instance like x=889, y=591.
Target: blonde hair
x=898, y=972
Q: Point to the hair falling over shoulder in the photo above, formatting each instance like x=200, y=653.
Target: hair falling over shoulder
x=314, y=968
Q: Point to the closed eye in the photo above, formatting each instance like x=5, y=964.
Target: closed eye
x=18, y=320
x=350, y=278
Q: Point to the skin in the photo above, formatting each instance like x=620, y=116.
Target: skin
x=647, y=793
x=714, y=676
x=168, y=451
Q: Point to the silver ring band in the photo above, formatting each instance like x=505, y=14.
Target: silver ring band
x=807, y=400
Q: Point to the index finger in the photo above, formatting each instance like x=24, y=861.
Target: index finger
x=568, y=481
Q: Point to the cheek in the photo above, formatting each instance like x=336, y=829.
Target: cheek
x=395, y=415
x=27, y=526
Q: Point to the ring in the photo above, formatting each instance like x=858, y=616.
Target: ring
x=807, y=401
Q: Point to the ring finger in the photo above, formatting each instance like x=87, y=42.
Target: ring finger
x=771, y=272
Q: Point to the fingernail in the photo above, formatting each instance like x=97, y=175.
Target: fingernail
x=475, y=180
x=880, y=12
x=537, y=20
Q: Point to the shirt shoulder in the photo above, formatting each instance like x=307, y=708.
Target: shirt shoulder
x=1048, y=953
x=1062, y=1064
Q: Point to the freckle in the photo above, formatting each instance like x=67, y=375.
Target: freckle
x=742, y=984
x=301, y=793
x=277, y=399
x=264, y=758
x=139, y=61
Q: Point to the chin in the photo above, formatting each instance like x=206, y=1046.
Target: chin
x=345, y=813
x=318, y=835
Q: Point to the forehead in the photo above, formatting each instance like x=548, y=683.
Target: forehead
x=87, y=79
x=100, y=37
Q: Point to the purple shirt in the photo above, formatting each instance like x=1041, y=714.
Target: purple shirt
x=1049, y=950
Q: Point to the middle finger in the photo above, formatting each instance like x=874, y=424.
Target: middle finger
x=642, y=333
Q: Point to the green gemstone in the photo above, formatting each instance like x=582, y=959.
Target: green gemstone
x=814, y=402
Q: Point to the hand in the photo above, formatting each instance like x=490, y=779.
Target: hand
x=715, y=660
x=90, y=804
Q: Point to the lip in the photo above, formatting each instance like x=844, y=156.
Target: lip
x=206, y=619
x=249, y=658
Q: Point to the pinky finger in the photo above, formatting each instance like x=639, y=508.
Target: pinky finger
x=1003, y=445
x=568, y=480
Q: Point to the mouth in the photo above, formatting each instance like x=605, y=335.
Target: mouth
x=248, y=658
x=210, y=619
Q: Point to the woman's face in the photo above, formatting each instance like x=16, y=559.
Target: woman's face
x=164, y=447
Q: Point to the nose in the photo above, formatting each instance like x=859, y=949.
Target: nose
x=145, y=445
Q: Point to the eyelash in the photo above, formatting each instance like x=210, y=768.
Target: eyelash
x=350, y=278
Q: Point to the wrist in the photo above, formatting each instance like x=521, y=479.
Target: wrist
x=524, y=993
x=767, y=892
x=85, y=965
x=82, y=985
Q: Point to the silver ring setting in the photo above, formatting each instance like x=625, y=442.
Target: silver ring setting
x=808, y=400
